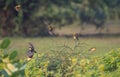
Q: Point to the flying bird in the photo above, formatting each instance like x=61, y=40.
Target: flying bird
x=93, y=49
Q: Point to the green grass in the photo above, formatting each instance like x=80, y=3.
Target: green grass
x=46, y=45
x=57, y=53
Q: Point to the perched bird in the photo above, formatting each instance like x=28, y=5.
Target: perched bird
x=17, y=7
x=31, y=50
x=93, y=49
x=75, y=36
x=50, y=28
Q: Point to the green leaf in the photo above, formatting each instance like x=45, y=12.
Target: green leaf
x=13, y=55
x=0, y=60
x=5, y=43
x=1, y=66
x=5, y=55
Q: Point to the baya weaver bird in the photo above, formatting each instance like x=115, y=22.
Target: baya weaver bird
x=31, y=50
x=17, y=7
x=93, y=49
x=50, y=28
x=75, y=36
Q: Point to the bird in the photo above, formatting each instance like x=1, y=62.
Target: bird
x=18, y=7
x=93, y=49
x=75, y=36
x=50, y=28
x=31, y=50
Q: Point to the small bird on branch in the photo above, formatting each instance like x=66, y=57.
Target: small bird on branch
x=75, y=36
x=51, y=30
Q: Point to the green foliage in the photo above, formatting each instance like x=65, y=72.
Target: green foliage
x=111, y=60
x=13, y=55
x=5, y=43
x=8, y=62
x=60, y=62
x=69, y=64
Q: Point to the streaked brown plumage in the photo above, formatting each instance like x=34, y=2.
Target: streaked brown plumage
x=75, y=36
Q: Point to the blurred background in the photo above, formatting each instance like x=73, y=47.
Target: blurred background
x=33, y=17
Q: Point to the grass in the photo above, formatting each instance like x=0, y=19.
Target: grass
x=63, y=62
x=47, y=44
x=57, y=51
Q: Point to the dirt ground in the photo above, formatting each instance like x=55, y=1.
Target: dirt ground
x=109, y=29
